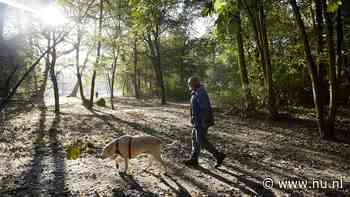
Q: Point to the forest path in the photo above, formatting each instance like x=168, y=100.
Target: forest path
x=34, y=147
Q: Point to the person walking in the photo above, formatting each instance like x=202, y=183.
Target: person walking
x=201, y=119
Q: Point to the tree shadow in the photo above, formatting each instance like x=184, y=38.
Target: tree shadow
x=181, y=192
x=18, y=106
x=106, y=117
x=298, y=148
x=132, y=188
x=131, y=101
x=134, y=125
x=58, y=154
x=31, y=178
x=251, y=188
x=254, y=185
x=30, y=181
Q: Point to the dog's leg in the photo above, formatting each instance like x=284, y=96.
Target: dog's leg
x=158, y=157
x=163, y=164
x=150, y=161
x=116, y=163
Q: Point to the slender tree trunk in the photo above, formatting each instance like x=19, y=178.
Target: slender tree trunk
x=312, y=69
x=139, y=75
x=77, y=66
x=7, y=100
x=79, y=83
x=43, y=85
x=183, y=83
x=74, y=90
x=53, y=74
x=159, y=68
x=98, y=56
x=320, y=45
x=114, y=68
x=319, y=30
x=124, y=85
x=242, y=64
x=329, y=133
x=136, y=88
x=154, y=47
x=340, y=39
x=256, y=16
x=2, y=20
x=254, y=23
x=268, y=68
x=115, y=57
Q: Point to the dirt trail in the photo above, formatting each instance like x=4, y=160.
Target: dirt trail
x=33, y=151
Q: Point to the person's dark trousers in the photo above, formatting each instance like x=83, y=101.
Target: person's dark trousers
x=200, y=140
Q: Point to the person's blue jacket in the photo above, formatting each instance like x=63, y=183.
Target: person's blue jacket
x=200, y=107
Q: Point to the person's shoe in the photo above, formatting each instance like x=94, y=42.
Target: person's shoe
x=191, y=162
x=219, y=159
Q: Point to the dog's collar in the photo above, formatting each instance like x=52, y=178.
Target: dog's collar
x=130, y=147
x=117, y=148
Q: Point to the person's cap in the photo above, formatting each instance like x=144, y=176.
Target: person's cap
x=193, y=78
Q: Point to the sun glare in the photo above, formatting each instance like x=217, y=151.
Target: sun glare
x=52, y=15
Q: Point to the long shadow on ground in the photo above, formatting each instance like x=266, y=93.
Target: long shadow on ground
x=30, y=181
x=133, y=189
x=302, y=152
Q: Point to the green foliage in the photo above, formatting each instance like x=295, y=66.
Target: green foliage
x=227, y=10
x=74, y=151
x=79, y=147
x=333, y=5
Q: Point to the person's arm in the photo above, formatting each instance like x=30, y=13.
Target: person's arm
x=195, y=112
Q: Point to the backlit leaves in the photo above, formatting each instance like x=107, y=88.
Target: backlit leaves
x=333, y=5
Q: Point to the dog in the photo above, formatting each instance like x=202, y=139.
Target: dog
x=129, y=147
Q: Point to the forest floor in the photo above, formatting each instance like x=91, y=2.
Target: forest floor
x=34, y=146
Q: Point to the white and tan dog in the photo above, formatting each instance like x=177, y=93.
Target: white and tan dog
x=130, y=146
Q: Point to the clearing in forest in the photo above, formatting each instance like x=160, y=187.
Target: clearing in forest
x=44, y=155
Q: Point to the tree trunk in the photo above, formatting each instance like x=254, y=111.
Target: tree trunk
x=254, y=23
x=114, y=68
x=136, y=88
x=159, y=67
x=329, y=133
x=79, y=83
x=257, y=20
x=154, y=47
x=7, y=100
x=340, y=39
x=312, y=69
x=2, y=20
x=248, y=104
x=53, y=75
x=91, y=104
x=319, y=30
x=266, y=53
x=124, y=85
x=77, y=65
x=320, y=65
x=139, y=75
